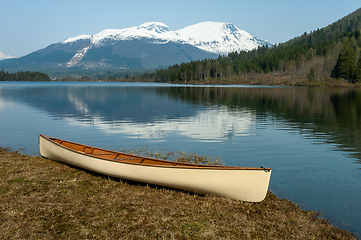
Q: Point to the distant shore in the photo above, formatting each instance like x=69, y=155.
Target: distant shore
x=270, y=79
x=40, y=198
x=266, y=79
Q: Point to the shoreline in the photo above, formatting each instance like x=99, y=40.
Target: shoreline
x=40, y=198
x=268, y=80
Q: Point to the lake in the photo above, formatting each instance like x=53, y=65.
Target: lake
x=311, y=137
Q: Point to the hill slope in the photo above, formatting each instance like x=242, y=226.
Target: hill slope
x=310, y=56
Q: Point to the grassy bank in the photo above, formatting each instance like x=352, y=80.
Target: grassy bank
x=43, y=199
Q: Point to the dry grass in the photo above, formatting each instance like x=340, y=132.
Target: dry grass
x=180, y=156
x=43, y=199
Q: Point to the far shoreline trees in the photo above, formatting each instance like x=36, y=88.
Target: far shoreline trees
x=23, y=76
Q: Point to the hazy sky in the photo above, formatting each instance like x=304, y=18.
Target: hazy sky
x=26, y=26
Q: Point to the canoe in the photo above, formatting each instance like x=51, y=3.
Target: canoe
x=240, y=183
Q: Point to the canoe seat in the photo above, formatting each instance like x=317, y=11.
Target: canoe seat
x=130, y=160
x=102, y=153
x=122, y=159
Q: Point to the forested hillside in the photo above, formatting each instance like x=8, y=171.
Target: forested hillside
x=23, y=76
x=325, y=54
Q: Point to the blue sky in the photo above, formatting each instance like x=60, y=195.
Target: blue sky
x=26, y=26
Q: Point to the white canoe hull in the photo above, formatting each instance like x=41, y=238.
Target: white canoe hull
x=242, y=184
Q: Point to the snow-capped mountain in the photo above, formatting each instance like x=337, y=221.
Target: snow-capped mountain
x=214, y=37
x=150, y=45
x=3, y=56
x=220, y=38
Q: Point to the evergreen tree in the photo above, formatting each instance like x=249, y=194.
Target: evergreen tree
x=346, y=62
x=358, y=71
x=311, y=75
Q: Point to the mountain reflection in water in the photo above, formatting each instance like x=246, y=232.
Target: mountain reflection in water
x=327, y=115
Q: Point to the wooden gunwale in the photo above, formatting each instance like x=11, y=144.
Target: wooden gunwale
x=132, y=159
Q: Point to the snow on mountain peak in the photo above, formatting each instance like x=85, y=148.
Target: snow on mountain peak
x=155, y=26
x=147, y=30
x=3, y=56
x=74, y=39
x=218, y=37
x=204, y=31
x=215, y=37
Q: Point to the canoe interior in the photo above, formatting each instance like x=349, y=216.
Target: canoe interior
x=132, y=159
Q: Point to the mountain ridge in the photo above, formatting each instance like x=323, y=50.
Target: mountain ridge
x=151, y=45
x=199, y=35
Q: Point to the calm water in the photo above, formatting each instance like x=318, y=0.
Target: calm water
x=311, y=137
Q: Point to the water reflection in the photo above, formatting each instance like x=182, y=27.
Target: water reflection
x=211, y=125
x=137, y=112
x=327, y=115
x=108, y=103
